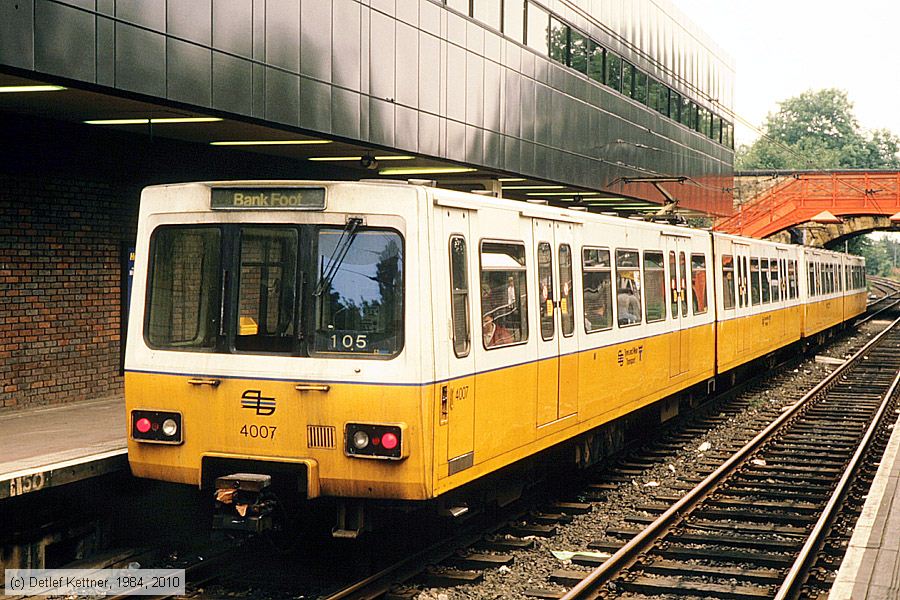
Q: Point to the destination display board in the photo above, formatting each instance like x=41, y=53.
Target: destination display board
x=293, y=198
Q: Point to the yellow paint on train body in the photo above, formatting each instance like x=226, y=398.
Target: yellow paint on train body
x=612, y=381
x=743, y=339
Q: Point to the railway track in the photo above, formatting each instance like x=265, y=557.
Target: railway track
x=504, y=541
x=753, y=527
x=539, y=527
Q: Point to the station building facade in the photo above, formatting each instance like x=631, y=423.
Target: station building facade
x=99, y=98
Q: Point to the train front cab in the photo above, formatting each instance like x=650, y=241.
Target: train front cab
x=323, y=390
x=758, y=299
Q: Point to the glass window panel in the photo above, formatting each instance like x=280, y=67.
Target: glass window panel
x=628, y=286
x=538, y=23
x=675, y=105
x=684, y=302
x=628, y=79
x=640, y=86
x=755, y=296
x=459, y=296
x=360, y=306
x=698, y=283
x=559, y=41
x=673, y=284
x=728, y=281
x=659, y=97
x=183, y=303
x=545, y=289
x=655, y=286
x=776, y=290
x=267, y=280
x=596, y=69
x=567, y=292
x=580, y=48
x=687, y=112
x=488, y=12
x=764, y=283
x=504, y=299
x=514, y=20
x=597, y=289
x=613, y=71
x=716, y=128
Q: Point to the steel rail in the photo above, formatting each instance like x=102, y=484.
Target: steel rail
x=628, y=553
x=793, y=579
x=868, y=318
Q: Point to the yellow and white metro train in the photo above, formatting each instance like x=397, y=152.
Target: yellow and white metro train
x=394, y=341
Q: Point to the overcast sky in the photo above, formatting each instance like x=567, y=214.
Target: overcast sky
x=783, y=47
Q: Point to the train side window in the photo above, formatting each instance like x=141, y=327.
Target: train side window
x=673, y=284
x=628, y=286
x=764, y=284
x=504, y=299
x=459, y=296
x=655, y=286
x=811, y=276
x=546, y=298
x=182, y=300
x=597, y=286
x=728, y=281
x=741, y=282
x=567, y=293
x=684, y=301
x=755, y=297
x=776, y=291
x=698, y=283
x=792, y=278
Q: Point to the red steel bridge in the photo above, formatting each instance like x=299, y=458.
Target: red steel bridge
x=829, y=197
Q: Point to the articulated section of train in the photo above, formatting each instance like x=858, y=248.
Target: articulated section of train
x=400, y=342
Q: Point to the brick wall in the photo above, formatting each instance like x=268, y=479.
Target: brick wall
x=60, y=287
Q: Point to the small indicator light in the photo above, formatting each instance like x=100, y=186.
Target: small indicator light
x=143, y=425
x=376, y=441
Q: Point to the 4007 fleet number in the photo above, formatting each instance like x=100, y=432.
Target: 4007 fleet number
x=265, y=432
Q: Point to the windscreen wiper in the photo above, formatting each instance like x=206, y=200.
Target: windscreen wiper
x=338, y=254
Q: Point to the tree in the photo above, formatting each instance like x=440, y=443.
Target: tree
x=818, y=130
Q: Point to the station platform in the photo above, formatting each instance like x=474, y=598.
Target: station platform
x=871, y=568
x=52, y=446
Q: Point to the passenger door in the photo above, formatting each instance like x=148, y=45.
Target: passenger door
x=679, y=345
x=556, y=340
x=457, y=395
x=742, y=302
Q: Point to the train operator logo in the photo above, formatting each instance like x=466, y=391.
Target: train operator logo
x=254, y=400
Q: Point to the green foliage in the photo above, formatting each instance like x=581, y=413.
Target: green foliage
x=882, y=255
x=818, y=130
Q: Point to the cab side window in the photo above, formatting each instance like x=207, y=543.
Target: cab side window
x=459, y=296
x=698, y=283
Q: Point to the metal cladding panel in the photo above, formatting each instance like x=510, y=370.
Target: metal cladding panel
x=315, y=112
x=17, y=34
x=232, y=84
x=345, y=110
x=407, y=85
x=281, y=35
x=190, y=20
x=282, y=96
x=346, y=40
x=315, y=39
x=188, y=68
x=140, y=61
x=64, y=41
x=409, y=74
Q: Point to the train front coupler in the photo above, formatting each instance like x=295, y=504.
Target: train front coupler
x=244, y=503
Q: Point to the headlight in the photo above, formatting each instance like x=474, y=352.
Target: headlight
x=360, y=440
x=169, y=427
